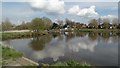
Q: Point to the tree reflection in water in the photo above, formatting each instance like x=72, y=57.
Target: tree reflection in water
x=76, y=45
x=106, y=35
x=93, y=35
x=81, y=34
x=38, y=43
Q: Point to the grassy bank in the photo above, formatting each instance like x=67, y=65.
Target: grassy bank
x=16, y=35
x=0, y=56
x=9, y=55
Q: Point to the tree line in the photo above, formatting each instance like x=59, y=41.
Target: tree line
x=45, y=23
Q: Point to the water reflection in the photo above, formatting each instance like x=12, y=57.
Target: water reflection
x=91, y=47
x=70, y=42
x=81, y=34
x=93, y=35
x=38, y=43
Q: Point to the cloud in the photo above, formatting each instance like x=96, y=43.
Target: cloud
x=86, y=12
x=74, y=10
x=109, y=17
x=48, y=6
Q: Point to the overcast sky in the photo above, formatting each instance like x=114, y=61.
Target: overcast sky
x=58, y=9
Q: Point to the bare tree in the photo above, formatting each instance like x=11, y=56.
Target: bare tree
x=6, y=25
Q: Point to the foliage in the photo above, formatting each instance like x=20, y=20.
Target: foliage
x=106, y=24
x=44, y=23
x=13, y=35
x=37, y=24
x=9, y=54
x=93, y=24
x=0, y=55
x=47, y=22
x=70, y=23
x=23, y=26
x=55, y=26
x=6, y=25
x=68, y=64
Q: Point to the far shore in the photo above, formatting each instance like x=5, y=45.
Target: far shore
x=15, y=34
x=12, y=31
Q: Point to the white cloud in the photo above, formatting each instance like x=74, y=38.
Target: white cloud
x=49, y=6
x=87, y=12
x=109, y=17
x=74, y=10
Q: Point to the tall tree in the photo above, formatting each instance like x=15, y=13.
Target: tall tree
x=47, y=22
x=106, y=23
x=37, y=24
x=0, y=26
x=70, y=23
x=6, y=25
x=61, y=23
x=93, y=24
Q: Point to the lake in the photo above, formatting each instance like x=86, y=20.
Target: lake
x=100, y=49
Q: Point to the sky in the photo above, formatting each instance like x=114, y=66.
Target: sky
x=64, y=0
x=82, y=12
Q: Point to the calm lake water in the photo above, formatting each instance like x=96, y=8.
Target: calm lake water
x=92, y=48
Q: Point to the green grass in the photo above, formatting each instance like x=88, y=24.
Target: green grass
x=6, y=36
x=0, y=55
x=9, y=54
x=15, y=35
x=68, y=64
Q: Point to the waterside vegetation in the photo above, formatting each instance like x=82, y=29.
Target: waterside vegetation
x=9, y=54
x=11, y=57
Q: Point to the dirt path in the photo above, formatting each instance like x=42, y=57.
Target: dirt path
x=23, y=62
